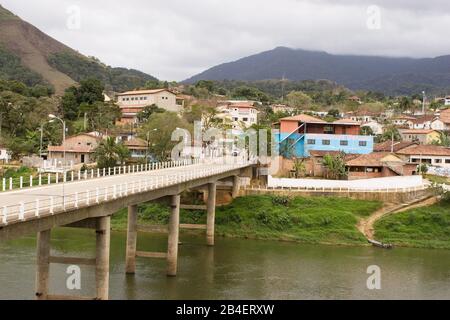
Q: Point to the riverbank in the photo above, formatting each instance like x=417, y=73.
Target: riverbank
x=317, y=220
x=426, y=227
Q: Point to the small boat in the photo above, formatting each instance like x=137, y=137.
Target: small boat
x=381, y=245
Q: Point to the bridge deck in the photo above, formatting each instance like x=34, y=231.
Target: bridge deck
x=33, y=203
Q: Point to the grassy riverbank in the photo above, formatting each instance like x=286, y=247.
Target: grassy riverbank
x=322, y=220
x=427, y=227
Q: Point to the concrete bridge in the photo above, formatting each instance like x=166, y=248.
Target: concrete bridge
x=90, y=203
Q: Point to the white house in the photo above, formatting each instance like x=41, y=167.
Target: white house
x=5, y=154
x=438, y=124
x=431, y=155
x=133, y=102
x=423, y=122
x=447, y=101
x=240, y=115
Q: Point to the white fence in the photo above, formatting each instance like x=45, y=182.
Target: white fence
x=45, y=206
x=439, y=171
x=392, y=183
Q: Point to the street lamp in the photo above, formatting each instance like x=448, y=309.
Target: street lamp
x=52, y=118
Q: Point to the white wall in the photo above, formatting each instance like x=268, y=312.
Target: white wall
x=366, y=184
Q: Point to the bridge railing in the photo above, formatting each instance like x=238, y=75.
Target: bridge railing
x=49, y=205
x=339, y=190
x=10, y=184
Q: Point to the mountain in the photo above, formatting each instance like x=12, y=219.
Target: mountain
x=384, y=74
x=29, y=55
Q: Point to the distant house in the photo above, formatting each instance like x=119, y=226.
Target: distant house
x=133, y=102
x=276, y=108
x=79, y=149
x=428, y=154
x=302, y=133
x=423, y=122
x=444, y=117
x=317, y=168
x=403, y=120
x=138, y=148
x=241, y=115
x=447, y=101
x=378, y=165
x=5, y=154
x=355, y=99
x=420, y=135
x=390, y=146
x=438, y=124
x=365, y=116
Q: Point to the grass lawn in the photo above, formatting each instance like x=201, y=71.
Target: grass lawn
x=427, y=227
x=324, y=220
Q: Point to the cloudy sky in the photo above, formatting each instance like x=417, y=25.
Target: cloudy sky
x=175, y=39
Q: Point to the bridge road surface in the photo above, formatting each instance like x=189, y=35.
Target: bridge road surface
x=43, y=193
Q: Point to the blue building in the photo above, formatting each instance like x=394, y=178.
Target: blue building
x=301, y=134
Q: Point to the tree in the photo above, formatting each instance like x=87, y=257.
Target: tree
x=109, y=153
x=335, y=166
x=100, y=115
x=367, y=131
x=159, y=128
x=299, y=167
x=406, y=104
x=147, y=112
x=334, y=113
x=298, y=99
x=250, y=93
x=389, y=132
x=444, y=140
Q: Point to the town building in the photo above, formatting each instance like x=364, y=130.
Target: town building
x=447, y=101
x=423, y=122
x=428, y=154
x=421, y=136
x=133, y=102
x=301, y=134
x=389, y=146
x=364, y=116
x=282, y=108
x=78, y=149
x=378, y=165
x=403, y=121
x=444, y=117
x=138, y=148
x=240, y=115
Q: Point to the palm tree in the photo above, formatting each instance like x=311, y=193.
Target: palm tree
x=109, y=153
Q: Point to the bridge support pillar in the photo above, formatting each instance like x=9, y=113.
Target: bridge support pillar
x=131, y=240
x=102, y=257
x=174, y=234
x=211, y=214
x=43, y=264
x=236, y=187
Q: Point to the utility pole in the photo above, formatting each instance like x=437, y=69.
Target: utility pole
x=423, y=102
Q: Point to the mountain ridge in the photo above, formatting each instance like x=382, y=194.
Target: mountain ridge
x=391, y=75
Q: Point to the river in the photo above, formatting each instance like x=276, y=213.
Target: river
x=234, y=269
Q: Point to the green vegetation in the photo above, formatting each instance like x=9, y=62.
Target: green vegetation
x=427, y=227
x=79, y=67
x=11, y=68
x=313, y=220
x=109, y=153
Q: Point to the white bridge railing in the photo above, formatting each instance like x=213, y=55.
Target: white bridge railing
x=339, y=190
x=45, y=206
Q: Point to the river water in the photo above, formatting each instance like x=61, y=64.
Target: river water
x=234, y=269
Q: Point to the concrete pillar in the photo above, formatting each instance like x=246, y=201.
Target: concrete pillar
x=236, y=187
x=131, y=240
x=211, y=212
x=174, y=233
x=43, y=264
x=102, y=256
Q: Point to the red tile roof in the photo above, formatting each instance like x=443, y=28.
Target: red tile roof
x=70, y=150
x=425, y=150
x=387, y=146
x=368, y=160
x=418, y=131
x=445, y=116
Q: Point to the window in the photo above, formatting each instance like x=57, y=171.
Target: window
x=437, y=160
x=311, y=141
x=447, y=161
x=328, y=130
x=326, y=142
x=363, y=143
x=344, y=143
x=245, y=119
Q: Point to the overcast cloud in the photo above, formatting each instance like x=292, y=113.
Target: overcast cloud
x=175, y=39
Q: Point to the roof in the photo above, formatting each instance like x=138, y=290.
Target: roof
x=425, y=150
x=321, y=154
x=137, y=92
x=404, y=117
x=90, y=135
x=304, y=118
x=423, y=119
x=387, y=146
x=136, y=144
x=445, y=116
x=418, y=131
x=70, y=150
x=347, y=121
x=374, y=159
